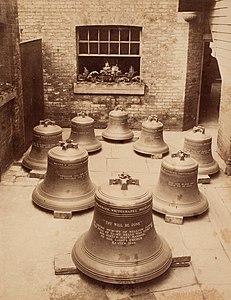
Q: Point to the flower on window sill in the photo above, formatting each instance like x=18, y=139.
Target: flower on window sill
x=109, y=74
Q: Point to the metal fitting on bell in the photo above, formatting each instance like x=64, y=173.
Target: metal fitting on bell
x=151, y=138
x=82, y=132
x=176, y=192
x=118, y=128
x=122, y=245
x=46, y=135
x=67, y=185
x=199, y=145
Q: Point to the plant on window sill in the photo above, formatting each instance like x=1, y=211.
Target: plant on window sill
x=109, y=79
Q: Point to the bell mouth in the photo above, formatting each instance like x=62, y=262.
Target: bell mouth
x=124, y=272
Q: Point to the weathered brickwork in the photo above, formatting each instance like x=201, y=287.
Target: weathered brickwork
x=11, y=113
x=164, y=52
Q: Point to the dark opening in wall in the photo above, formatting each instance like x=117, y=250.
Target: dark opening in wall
x=194, y=5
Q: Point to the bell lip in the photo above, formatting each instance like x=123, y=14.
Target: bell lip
x=208, y=169
x=139, y=147
x=117, y=136
x=33, y=164
x=54, y=203
x=191, y=209
x=100, y=275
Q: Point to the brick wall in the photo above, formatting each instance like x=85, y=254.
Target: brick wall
x=11, y=112
x=164, y=53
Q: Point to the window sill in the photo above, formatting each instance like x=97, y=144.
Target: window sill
x=115, y=88
x=7, y=97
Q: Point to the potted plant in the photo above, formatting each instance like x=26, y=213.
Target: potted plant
x=109, y=80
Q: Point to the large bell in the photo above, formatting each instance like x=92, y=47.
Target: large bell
x=118, y=128
x=198, y=144
x=151, y=138
x=67, y=185
x=122, y=245
x=82, y=132
x=46, y=135
x=176, y=192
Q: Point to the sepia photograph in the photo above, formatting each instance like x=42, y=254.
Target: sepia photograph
x=115, y=157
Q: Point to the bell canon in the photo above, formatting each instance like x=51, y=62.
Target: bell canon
x=122, y=245
x=151, y=138
x=45, y=136
x=67, y=185
x=118, y=128
x=82, y=132
x=199, y=144
x=176, y=192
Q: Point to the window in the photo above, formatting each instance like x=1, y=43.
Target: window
x=117, y=45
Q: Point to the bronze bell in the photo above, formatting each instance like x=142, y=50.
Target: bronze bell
x=67, y=185
x=122, y=245
x=82, y=132
x=151, y=138
x=46, y=135
x=118, y=128
x=198, y=144
x=176, y=192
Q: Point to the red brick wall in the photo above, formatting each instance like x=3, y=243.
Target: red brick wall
x=163, y=66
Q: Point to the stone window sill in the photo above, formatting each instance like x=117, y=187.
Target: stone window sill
x=109, y=88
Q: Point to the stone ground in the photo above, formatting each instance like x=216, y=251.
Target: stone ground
x=31, y=237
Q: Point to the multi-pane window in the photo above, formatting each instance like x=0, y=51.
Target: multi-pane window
x=118, y=45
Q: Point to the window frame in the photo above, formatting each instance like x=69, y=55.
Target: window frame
x=109, y=41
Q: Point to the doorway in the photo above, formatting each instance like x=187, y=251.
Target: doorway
x=32, y=82
x=210, y=89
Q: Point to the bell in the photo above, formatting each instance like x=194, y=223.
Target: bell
x=82, y=133
x=198, y=144
x=117, y=128
x=67, y=185
x=151, y=138
x=176, y=192
x=122, y=245
x=45, y=136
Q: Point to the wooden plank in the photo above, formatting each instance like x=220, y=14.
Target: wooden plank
x=62, y=214
x=216, y=28
x=220, y=36
x=174, y=219
x=37, y=174
x=203, y=179
x=64, y=265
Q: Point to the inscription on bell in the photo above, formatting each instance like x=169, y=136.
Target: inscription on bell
x=123, y=211
x=80, y=175
x=181, y=184
x=43, y=146
x=122, y=233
